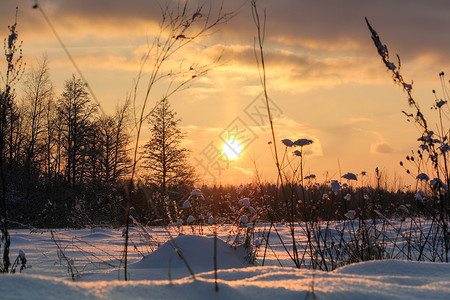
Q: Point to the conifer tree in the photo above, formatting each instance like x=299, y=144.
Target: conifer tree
x=163, y=154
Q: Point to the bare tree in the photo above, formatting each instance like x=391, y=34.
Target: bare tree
x=38, y=90
x=108, y=141
x=50, y=157
x=75, y=112
x=116, y=162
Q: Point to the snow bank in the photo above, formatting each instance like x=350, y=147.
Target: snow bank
x=198, y=251
x=370, y=280
x=47, y=278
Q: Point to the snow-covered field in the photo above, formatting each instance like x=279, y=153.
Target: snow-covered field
x=92, y=256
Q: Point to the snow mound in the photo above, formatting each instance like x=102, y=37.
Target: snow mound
x=48, y=278
x=199, y=254
x=397, y=268
x=251, y=283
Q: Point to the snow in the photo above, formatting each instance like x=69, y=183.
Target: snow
x=404, y=209
x=196, y=16
x=197, y=193
x=244, y=219
x=287, y=142
x=444, y=148
x=371, y=280
x=46, y=275
x=391, y=66
x=440, y=103
x=437, y=183
x=198, y=251
x=407, y=87
x=423, y=176
x=350, y=176
x=420, y=195
x=190, y=219
x=335, y=186
x=303, y=142
x=186, y=204
x=245, y=202
x=350, y=214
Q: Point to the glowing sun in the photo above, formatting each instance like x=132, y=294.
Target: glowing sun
x=232, y=149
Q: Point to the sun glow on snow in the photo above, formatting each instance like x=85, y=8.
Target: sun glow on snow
x=232, y=149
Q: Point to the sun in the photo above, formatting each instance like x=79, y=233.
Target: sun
x=232, y=149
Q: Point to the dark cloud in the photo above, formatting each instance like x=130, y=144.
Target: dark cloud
x=301, y=67
x=408, y=27
x=309, y=30
x=410, y=24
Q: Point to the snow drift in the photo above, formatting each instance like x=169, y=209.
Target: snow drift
x=199, y=254
x=47, y=278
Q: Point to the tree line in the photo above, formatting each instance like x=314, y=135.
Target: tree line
x=64, y=162
x=58, y=152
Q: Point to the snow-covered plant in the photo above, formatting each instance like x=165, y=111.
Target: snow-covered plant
x=350, y=214
x=432, y=158
x=14, y=71
x=350, y=176
x=21, y=262
x=243, y=221
x=245, y=202
x=335, y=186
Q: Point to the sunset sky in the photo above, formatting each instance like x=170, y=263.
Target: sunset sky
x=325, y=79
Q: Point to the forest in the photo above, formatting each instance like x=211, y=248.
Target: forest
x=68, y=169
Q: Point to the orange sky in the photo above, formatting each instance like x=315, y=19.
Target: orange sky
x=324, y=76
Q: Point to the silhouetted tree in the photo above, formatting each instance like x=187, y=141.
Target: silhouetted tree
x=75, y=112
x=163, y=155
x=8, y=119
x=37, y=100
x=114, y=139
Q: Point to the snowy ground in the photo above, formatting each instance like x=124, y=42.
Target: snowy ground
x=93, y=256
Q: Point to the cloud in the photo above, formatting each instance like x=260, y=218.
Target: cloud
x=327, y=26
x=244, y=171
x=284, y=128
x=381, y=148
x=411, y=28
x=309, y=45
x=290, y=71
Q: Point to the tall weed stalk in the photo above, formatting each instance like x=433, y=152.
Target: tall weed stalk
x=260, y=24
x=431, y=160
x=180, y=25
